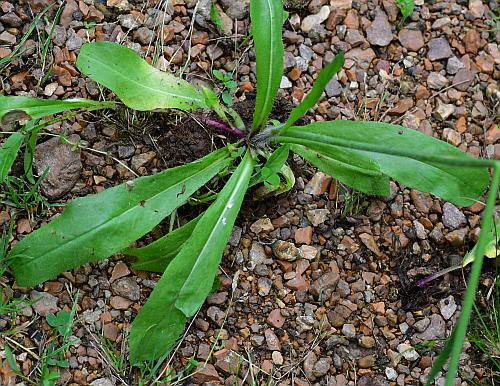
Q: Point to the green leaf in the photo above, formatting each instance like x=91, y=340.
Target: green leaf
x=218, y=74
x=273, y=164
x=188, y=279
x=406, y=7
x=319, y=86
x=15, y=108
x=358, y=172
x=415, y=159
x=491, y=250
x=231, y=84
x=60, y=322
x=137, y=84
x=227, y=98
x=8, y=153
x=94, y=227
x=156, y=256
x=267, y=22
x=273, y=180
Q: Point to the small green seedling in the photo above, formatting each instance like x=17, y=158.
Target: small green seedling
x=406, y=7
x=361, y=155
x=229, y=86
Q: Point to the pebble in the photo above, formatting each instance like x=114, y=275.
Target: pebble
x=413, y=40
x=380, y=32
x=64, y=166
x=311, y=21
x=453, y=218
x=391, y=374
x=349, y=331
x=437, y=81
x=439, y=48
x=257, y=254
x=102, y=382
x=128, y=288
x=317, y=216
x=262, y=225
x=45, y=303
x=443, y=111
x=286, y=250
x=408, y=352
x=277, y=358
x=447, y=307
x=318, y=184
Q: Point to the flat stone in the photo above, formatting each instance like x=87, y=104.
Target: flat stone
x=408, y=352
x=311, y=21
x=262, y=225
x=142, y=159
x=272, y=340
x=454, y=65
x=257, y=254
x=45, y=303
x=362, y=57
x=439, y=48
x=127, y=287
x=436, y=81
x=64, y=166
x=303, y=235
x=380, y=33
x=318, y=184
x=457, y=237
x=275, y=318
x=453, y=217
x=119, y=303
x=277, y=358
x=447, y=307
x=463, y=79
x=443, y=111
x=7, y=38
x=370, y=243
x=317, y=216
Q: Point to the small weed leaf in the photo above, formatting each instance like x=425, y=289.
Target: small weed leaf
x=406, y=7
x=8, y=154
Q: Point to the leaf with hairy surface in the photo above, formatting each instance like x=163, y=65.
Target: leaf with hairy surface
x=188, y=279
x=139, y=85
x=15, y=108
x=94, y=227
x=415, y=159
x=267, y=22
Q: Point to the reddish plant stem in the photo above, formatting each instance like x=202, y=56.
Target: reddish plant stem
x=224, y=128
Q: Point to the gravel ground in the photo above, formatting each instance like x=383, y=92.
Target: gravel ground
x=317, y=285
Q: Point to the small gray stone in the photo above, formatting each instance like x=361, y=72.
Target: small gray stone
x=321, y=367
x=391, y=374
x=349, y=330
x=408, y=352
x=11, y=19
x=144, y=35
x=436, y=81
x=235, y=237
x=45, y=303
x=262, y=225
x=380, y=32
x=64, y=166
x=125, y=151
x=217, y=315
x=304, y=323
x=257, y=254
x=128, y=21
x=127, y=288
x=306, y=52
x=435, y=330
x=439, y=48
x=102, y=382
x=422, y=324
x=333, y=88
x=311, y=21
x=419, y=230
x=447, y=307
x=453, y=218
x=264, y=285
x=142, y=159
x=73, y=42
x=285, y=83
x=453, y=65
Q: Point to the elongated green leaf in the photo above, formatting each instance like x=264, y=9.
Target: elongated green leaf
x=13, y=108
x=267, y=21
x=8, y=153
x=138, y=85
x=156, y=256
x=188, y=278
x=406, y=7
x=319, y=86
x=415, y=159
x=358, y=172
x=94, y=227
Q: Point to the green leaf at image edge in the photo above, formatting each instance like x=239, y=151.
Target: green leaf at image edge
x=13, y=108
x=267, y=22
x=139, y=85
x=410, y=157
x=189, y=277
x=8, y=153
x=94, y=227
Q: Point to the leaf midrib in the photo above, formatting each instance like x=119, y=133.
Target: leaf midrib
x=234, y=193
x=92, y=230
x=161, y=91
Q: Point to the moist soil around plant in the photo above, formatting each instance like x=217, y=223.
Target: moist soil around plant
x=317, y=286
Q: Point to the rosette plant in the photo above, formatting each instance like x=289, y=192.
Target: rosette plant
x=362, y=155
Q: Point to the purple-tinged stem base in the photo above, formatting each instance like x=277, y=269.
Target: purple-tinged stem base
x=224, y=128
